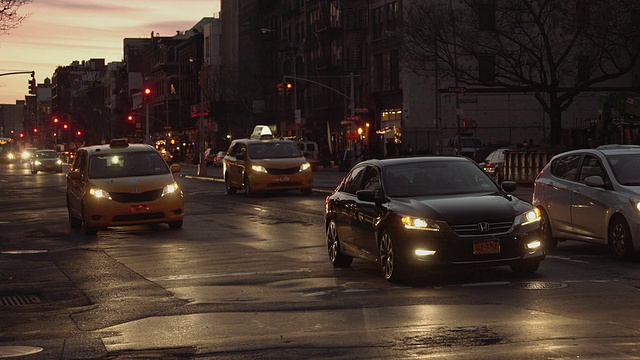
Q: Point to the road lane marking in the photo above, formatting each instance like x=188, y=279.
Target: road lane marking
x=221, y=275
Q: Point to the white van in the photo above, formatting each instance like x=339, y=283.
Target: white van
x=310, y=151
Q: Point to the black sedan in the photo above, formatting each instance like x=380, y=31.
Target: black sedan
x=45, y=160
x=409, y=213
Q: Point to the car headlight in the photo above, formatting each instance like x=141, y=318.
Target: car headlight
x=59, y=162
x=410, y=222
x=25, y=155
x=38, y=163
x=305, y=166
x=11, y=156
x=528, y=217
x=100, y=194
x=258, y=168
x=169, y=189
x=635, y=204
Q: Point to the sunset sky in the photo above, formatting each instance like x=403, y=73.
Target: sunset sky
x=58, y=32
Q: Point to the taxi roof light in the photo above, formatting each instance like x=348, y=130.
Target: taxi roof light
x=119, y=143
x=262, y=132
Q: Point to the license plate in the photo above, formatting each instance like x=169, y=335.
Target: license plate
x=486, y=247
x=139, y=209
x=283, y=179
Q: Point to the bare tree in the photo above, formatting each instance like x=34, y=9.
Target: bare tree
x=9, y=17
x=555, y=49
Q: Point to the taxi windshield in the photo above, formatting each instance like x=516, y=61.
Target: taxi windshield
x=274, y=150
x=126, y=164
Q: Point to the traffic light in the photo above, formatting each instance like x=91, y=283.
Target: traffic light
x=280, y=89
x=55, y=121
x=32, y=84
x=65, y=126
x=79, y=133
x=130, y=118
x=289, y=88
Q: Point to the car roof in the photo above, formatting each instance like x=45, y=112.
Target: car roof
x=413, y=159
x=261, y=141
x=605, y=150
x=107, y=149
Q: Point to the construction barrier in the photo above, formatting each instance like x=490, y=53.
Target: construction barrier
x=524, y=165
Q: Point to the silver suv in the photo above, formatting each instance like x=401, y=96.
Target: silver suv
x=592, y=195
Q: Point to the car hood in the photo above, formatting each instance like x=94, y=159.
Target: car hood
x=464, y=208
x=133, y=185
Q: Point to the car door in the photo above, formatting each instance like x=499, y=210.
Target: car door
x=345, y=208
x=367, y=214
x=76, y=183
x=558, y=191
x=589, y=207
x=235, y=163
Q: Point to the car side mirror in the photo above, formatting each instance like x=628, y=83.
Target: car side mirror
x=366, y=195
x=175, y=168
x=509, y=186
x=594, y=181
x=75, y=175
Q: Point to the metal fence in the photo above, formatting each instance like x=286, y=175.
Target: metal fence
x=524, y=165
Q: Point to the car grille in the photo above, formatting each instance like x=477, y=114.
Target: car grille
x=289, y=171
x=474, y=229
x=130, y=198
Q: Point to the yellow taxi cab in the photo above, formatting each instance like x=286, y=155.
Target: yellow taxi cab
x=264, y=163
x=122, y=184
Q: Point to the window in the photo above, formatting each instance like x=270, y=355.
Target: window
x=371, y=181
x=582, y=14
x=352, y=182
x=566, y=167
x=584, y=68
x=591, y=167
x=487, y=16
x=487, y=68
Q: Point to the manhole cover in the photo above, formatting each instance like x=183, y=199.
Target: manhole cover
x=12, y=351
x=19, y=252
x=19, y=300
x=538, y=285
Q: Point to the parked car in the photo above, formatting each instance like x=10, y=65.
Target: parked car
x=592, y=195
x=264, y=163
x=122, y=184
x=217, y=159
x=310, y=151
x=494, y=164
x=408, y=214
x=209, y=155
x=45, y=160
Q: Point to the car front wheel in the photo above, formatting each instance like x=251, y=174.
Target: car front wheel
x=390, y=263
x=548, y=242
x=338, y=259
x=620, y=240
x=230, y=190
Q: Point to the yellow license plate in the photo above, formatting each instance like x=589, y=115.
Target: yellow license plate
x=486, y=247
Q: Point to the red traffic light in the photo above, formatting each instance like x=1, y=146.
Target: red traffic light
x=79, y=133
x=55, y=120
x=130, y=118
x=289, y=86
x=147, y=91
x=65, y=126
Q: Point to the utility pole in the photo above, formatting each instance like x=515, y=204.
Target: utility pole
x=202, y=166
